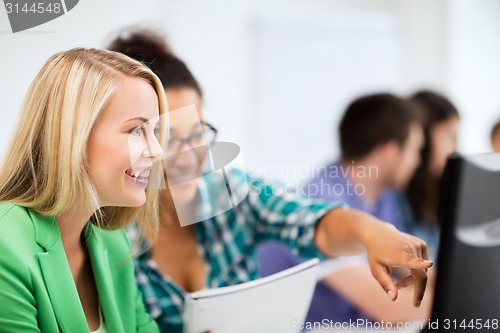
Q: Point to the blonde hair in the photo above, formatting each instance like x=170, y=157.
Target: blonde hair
x=45, y=167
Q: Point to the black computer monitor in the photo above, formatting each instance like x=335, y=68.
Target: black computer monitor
x=468, y=264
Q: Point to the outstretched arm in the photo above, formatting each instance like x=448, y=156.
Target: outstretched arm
x=347, y=232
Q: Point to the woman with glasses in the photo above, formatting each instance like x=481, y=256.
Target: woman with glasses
x=221, y=250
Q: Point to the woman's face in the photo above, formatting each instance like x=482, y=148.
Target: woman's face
x=183, y=164
x=122, y=145
x=443, y=141
x=408, y=157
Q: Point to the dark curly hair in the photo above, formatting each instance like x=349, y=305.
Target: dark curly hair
x=151, y=48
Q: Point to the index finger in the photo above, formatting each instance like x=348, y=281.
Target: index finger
x=413, y=262
x=420, y=283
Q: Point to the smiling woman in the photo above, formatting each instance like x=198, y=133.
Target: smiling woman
x=120, y=136
x=79, y=163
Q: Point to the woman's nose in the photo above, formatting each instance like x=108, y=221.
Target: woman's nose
x=153, y=150
x=185, y=159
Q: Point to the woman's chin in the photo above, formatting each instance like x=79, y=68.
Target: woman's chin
x=136, y=202
x=184, y=193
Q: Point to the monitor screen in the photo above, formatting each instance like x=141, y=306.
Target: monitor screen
x=468, y=281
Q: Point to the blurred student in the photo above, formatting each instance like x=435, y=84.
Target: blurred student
x=440, y=120
x=221, y=250
x=71, y=176
x=380, y=139
x=495, y=137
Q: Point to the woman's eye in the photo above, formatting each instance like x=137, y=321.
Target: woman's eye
x=137, y=131
x=157, y=131
x=173, y=141
x=197, y=137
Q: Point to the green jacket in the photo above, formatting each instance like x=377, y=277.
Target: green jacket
x=37, y=290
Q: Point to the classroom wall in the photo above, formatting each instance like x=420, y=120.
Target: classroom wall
x=280, y=95
x=473, y=50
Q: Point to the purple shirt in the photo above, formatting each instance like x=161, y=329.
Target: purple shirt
x=333, y=183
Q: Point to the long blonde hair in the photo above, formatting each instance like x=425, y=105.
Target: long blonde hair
x=45, y=166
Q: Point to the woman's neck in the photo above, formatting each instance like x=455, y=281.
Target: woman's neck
x=71, y=226
x=179, y=214
x=170, y=226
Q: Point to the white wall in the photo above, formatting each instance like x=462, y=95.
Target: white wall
x=473, y=65
x=450, y=45
x=23, y=54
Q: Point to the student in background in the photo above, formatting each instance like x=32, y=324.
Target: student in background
x=495, y=137
x=440, y=120
x=221, y=250
x=88, y=125
x=380, y=139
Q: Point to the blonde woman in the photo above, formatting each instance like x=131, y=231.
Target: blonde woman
x=83, y=149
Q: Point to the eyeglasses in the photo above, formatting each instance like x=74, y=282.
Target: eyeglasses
x=205, y=137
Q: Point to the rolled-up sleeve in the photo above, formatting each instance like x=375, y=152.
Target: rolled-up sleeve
x=286, y=217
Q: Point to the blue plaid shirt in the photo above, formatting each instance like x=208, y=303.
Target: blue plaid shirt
x=227, y=243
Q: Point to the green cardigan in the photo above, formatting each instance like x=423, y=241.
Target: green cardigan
x=37, y=290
